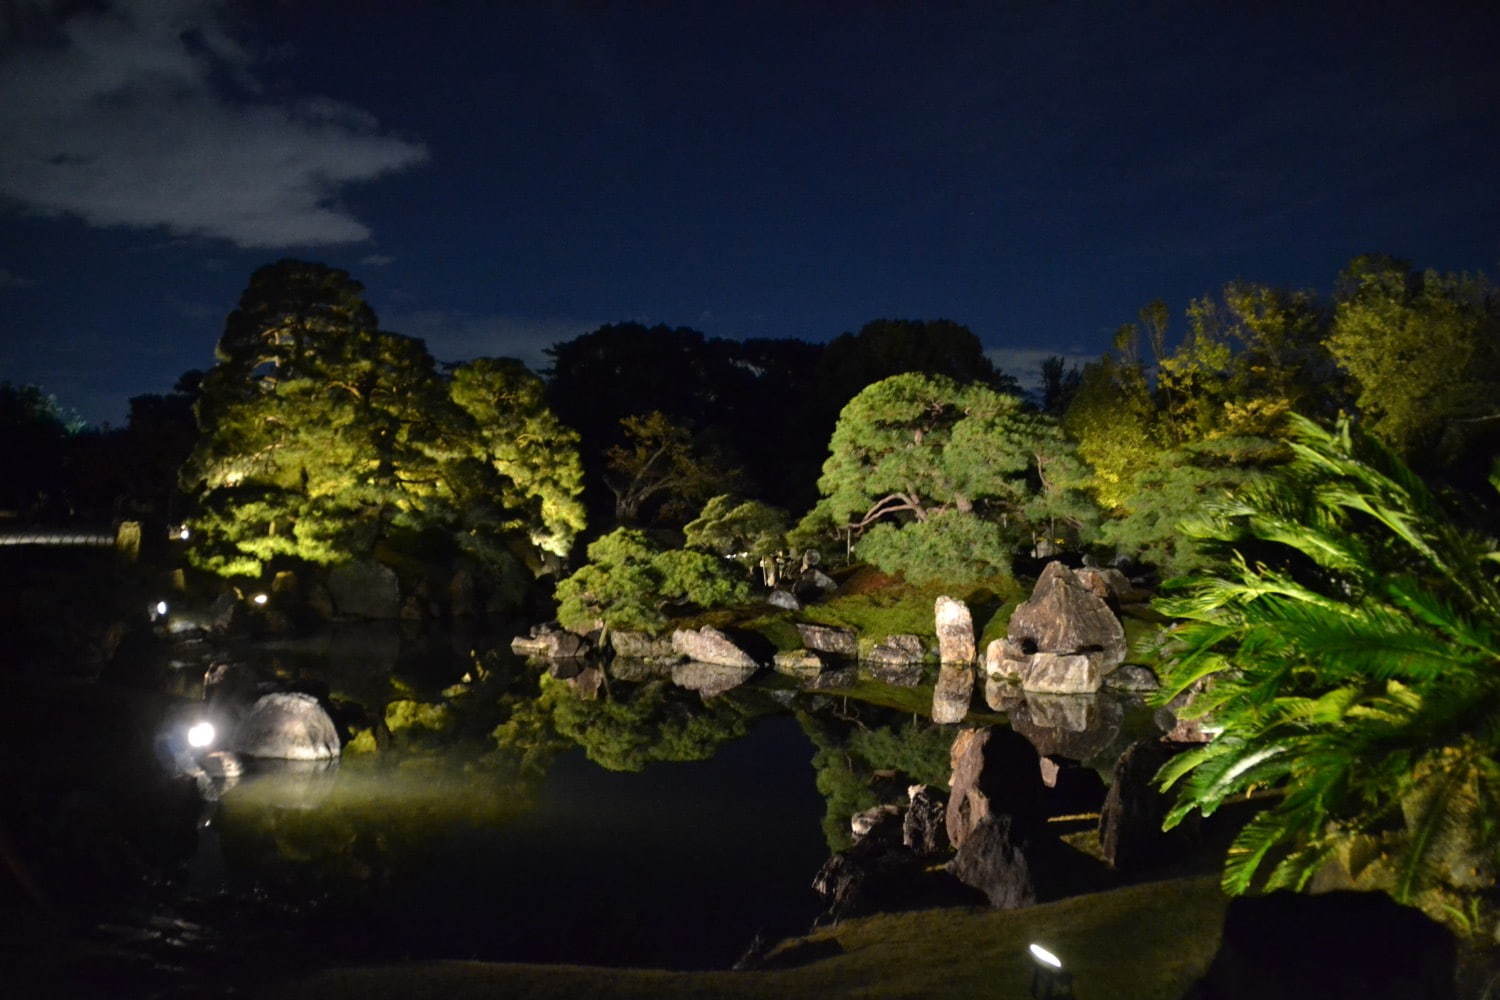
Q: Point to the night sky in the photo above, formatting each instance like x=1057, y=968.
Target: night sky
x=504, y=179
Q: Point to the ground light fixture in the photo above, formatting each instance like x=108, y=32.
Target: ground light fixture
x=201, y=735
x=158, y=610
x=260, y=600
x=1049, y=981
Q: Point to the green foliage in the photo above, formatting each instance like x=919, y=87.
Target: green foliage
x=948, y=546
x=321, y=436
x=629, y=583
x=633, y=727
x=959, y=465
x=1354, y=666
x=661, y=467
x=536, y=457
x=1423, y=351
x=745, y=531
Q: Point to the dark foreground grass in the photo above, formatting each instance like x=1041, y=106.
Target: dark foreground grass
x=1140, y=942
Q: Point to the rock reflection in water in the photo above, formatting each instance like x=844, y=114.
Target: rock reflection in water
x=1081, y=727
x=710, y=679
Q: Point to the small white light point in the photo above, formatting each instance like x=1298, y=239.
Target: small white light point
x=184, y=533
x=201, y=735
x=161, y=608
x=260, y=599
x=1044, y=956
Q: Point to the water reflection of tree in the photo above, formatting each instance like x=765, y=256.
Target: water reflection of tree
x=865, y=756
x=626, y=728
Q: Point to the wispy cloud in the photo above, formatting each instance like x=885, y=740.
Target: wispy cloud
x=10, y=279
x=148, y=114
x=1025, y=363
x=377, y=260
x=458, y=336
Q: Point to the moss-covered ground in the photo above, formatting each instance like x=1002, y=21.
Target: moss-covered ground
x=1141, y=941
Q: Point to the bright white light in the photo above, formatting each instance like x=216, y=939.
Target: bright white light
x=201, y=735
x=260, y=599
x=183, y=534
x=161, y=608
x=1044, y=956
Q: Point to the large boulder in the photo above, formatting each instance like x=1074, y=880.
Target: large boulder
x=995, y=771
x=1004, y=860
x=709, y=645
x=829, y=639
x=642, y=645
x=1130, y=835
x=1004, y=660
x=898, y=649
x=867, y=878
x=1064, y=616
x=955, y=631
x=882, y=824
x=550, y=642
x=1334, y=946
x=953, y=693
x=365, y=589
x=783, y=599
x=804, y=664
x=1110, y=585
x=287, y=726
x=1062, y=673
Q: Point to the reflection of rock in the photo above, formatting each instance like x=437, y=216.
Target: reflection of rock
x=550, y=641
x=710, y=679
x=1178, y=729
x=293, y=784
x=1130, y=833
x=802, y=663
x=896, y=674
x=627, y=668
x=897, y=649
x=586, y=682
x=709, y=645
x=1132, y=677
x=994, y=771
x=955, y=631
x=365, y=589
x=1073, y=713
x=1003, y=696
x=287, y=726
x=828, y=639
x=1077, y=726
x=1334, y=945
x=881, y=824
x=923, y=828
x=1062, y=616
x=952, y=694
x=839, y=677
x=1062, y=673
x=641, y=645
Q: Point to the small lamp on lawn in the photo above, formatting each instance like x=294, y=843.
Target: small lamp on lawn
x=1049, y=981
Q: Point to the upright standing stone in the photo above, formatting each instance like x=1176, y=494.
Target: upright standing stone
x=955, y=631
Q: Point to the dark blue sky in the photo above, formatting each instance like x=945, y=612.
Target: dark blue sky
x=501, y=179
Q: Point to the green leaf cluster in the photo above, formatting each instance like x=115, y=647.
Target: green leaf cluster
x=630, y=583
x=940, y=478
x=1350, y=656
x=320, y=436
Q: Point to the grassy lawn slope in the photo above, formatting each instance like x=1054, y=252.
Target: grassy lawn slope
x=1134, y=943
